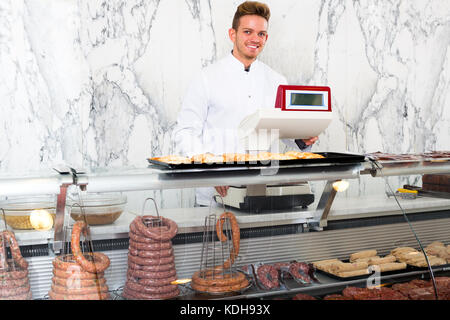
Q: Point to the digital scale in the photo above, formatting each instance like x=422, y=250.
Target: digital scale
x=300, y=112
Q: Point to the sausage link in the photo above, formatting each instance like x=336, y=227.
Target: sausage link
x=218, y=279
x=15, y=249
x=14, y=291
x=218, y=289
x=158, y=245
x=77, y=283
x=85, y=290
x=157, y=282
x=100, y=261
x=133, y=285
x=150, y=262
x=133, y=295
x=154, y=268
x=91, y=296
x=11, y=283
x=236, y=235
x=156, y=233
x=151, y=275
x=151, y=254
x=138, y=236
x=23, y=296
x=77, y=274
x=14, y=274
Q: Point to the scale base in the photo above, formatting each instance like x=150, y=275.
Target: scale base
x=267, y=199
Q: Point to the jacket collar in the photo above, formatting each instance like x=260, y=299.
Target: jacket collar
x=238, y=65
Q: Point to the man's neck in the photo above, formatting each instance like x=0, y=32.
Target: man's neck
x=246, y=62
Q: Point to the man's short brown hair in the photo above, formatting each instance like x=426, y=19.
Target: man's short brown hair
x=249, y=8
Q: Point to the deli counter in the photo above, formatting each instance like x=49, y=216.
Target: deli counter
x=330, y=228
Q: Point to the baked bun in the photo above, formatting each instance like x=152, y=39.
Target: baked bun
x=173, y=159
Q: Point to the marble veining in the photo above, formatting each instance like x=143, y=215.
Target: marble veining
x=96, y=83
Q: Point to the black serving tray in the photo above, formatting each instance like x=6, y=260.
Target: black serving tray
x=330, y=159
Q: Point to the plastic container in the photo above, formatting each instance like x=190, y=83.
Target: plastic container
x=18, y=210
x=99, y=208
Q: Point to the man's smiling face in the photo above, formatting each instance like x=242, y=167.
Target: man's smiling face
x=249, y=39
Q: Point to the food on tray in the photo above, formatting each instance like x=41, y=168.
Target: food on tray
x=439, y=250
x=268, y=276
x=362, y=254
x=348, y=266
x=378, y=260
x=236, y=157
x=151, y=259
x=353, y=273
x=408, y=157
x=173, y=159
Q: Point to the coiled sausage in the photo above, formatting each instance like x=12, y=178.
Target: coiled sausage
x=156, y=233
x=150, y=262
x=100, y=261
x=77, y=283
x=92, y=296
x=132, y=294
x=15, y=249
x=154, y=268
x=151, y=275
x=157, y=245
x=268, y=276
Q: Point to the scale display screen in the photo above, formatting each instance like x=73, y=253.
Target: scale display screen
x=303, y=98
x=306, y=99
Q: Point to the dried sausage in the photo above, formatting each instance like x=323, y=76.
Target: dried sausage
x=11, y=283
x=84, y=290
x=76, y=273
x=15, y=250
x=14, y=274
x=153, y=254
x=23, y=296
x=132, y=294
x=153, y=282
x=77, y=282
x=156, y=233
x=150, y=262
x=236, y=236
x=154, y=268
x=218, y=289
x=15, y=291
x=268, y=276
x=133, y=285
x=218, y=279
x=92, y=296
x=151, y=275
x=158, y=245
x=100, y=261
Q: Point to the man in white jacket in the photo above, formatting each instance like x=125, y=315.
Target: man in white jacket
x=227, y=91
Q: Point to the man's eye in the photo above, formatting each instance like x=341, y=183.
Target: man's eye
x=262, y=34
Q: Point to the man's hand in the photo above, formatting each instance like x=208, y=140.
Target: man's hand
x=310, y=141
x=223, y=190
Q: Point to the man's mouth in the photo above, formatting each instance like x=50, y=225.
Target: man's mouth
x=252, y=46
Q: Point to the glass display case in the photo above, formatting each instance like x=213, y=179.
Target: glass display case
x=332, y=227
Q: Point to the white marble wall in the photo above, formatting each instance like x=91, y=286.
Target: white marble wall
x=99, y=83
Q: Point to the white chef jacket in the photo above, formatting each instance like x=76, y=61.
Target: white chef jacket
x=217, y=100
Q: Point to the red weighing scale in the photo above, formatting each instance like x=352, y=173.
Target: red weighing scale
x=300, y=112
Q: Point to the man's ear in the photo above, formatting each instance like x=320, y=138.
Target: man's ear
x=232, y=34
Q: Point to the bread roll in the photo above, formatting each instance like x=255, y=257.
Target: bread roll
x=378, y=261
x=366, y=259
x=401, y=250
x=354, y=273
x=392, y=266
x=362, y=254
x=341, y=267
